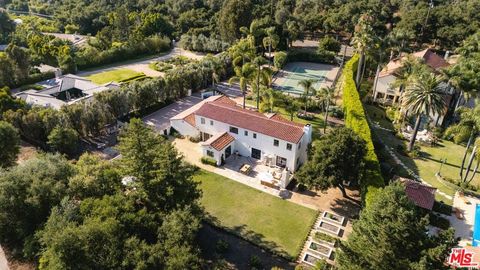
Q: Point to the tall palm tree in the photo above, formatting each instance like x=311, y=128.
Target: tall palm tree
x=308, y=90
x=424, y=96
x=270, y=42
x=468, y=127
x=243, y=75
x=243, y=51
x=412, y=68
x=269, y=99
x=291, y=106
x=258, y=62
x=292, y=31
x=325, y=95
x=363, y=40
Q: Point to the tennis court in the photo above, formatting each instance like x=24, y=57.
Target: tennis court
x=287, y=79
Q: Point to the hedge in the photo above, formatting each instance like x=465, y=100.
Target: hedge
x=356, y=119
x=304, y=55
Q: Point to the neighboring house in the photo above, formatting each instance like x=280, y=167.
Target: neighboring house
x=226, y=129
x=61, y=91
x=387, y=94
x=77, y=40
x=421, y=195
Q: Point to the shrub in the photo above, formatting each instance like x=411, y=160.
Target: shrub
x=280, y=59
x=208, y=161
x=255, y=262
x=355, y=118
x=302, y=55
x=439, y=221
x=194, y=139
x=201, y=43
x=319, y=236
x=329, y=44
x=221, y=246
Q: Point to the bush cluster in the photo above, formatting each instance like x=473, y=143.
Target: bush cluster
x=91, y=57
x=302, y=55
x=208, y=161
x=355, y=118
x=201, y=43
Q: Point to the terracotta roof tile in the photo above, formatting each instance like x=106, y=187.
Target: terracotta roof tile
x=190, y=119
x=431, y=59
x=422, y=195
x=251, y=120
x=222, y=141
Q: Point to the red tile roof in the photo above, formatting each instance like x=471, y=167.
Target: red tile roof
x=190, y=119
x=222, y=141
x=225, y=112
x=431, y=59
x=422, y=195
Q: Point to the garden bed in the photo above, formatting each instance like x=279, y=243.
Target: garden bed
x=329, y=217
x=329, y=227
x=320, y=249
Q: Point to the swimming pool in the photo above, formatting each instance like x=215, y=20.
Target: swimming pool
x=476, y=227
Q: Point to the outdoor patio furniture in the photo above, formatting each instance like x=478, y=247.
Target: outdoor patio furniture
x=246, y=169
x=267, y=179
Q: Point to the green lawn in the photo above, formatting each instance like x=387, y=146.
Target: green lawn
x=264, y=219
x=116, y=75
x=427, y=166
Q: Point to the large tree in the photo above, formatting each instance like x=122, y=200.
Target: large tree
x=27, y=194
x=244, y=75
x=308, y=91
x=392, y=234
x=363, y=40
x=336, y=158
x=233, y=15
x=9, y=144
x=424, y=97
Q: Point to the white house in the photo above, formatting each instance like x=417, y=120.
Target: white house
x=63, y=91
x=387, y=94
x=226, y=129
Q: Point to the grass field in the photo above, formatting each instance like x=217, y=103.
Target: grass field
x=264, y=219
x=432, y=157
x=116, y=75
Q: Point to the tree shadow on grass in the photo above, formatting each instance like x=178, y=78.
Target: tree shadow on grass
x=253, y=237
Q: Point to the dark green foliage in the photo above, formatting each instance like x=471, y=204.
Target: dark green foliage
x=329, y=44
x=391, y=234
x=336, y=158
x=63, y=140
x=202, y=43
x=302, y=55
x=280, y=59
x=27, y=194
x=209, y=161
x=233, y=15
x=9, y=144
x=355, y=118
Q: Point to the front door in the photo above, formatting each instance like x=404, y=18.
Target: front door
x=256, y=153
x=228, y=151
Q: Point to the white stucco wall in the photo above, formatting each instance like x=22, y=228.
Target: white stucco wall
x=184, y=128
x=245, y=143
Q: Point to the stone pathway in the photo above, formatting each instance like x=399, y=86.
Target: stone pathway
x=398, y=161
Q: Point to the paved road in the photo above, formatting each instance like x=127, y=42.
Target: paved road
x=143, y=64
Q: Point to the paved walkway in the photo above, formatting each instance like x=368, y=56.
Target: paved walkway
x=398, y=161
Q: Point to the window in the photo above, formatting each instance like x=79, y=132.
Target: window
x=299, y=145
x=289, y=146
x=254, y=135
x=276, y=142
x=211, y=122
x=210, y=153
x=202, y=120
x=246, y=133
x=234, y=130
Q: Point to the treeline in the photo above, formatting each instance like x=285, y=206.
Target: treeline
x=89, y=118
x=202, y=43
x=139, y=212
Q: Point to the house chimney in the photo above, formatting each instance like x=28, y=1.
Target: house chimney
x=447, y=54
x=307, y=129
x=58, y=73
